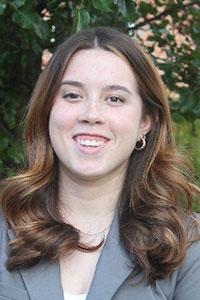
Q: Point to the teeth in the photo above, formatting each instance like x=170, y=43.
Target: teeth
x=90, y=143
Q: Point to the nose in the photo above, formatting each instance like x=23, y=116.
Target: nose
x=92, y=113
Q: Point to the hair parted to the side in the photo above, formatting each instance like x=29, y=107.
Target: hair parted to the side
x=152, y=225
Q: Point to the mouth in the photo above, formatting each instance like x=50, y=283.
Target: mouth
x=88, y=143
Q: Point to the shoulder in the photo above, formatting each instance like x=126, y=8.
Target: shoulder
x=4, y=241
x=3, y=225
x=11, y=284
x=191, y=261
x=3, y=233
x=183, y=284
x=188, y=275
x=193, y=250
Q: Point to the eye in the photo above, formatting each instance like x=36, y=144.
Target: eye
x=71, y=96
x=115, y=100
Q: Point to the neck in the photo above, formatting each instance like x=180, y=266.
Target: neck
x=89, y=200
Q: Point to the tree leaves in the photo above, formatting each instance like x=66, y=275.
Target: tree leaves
x=27, y=19
x=81, y=20
x=2, y=7
x=19, y=3
x=147, y=8
x=103, y=5
x=128, y=9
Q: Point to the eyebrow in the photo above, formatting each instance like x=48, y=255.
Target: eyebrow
x=113, y=87
x=72, y=82
x=117, y=87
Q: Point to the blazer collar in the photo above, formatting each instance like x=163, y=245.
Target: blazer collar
x=113, y=267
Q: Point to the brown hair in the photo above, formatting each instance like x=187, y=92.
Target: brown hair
x=152, y=225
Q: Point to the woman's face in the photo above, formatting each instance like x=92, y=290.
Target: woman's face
x=97, y=115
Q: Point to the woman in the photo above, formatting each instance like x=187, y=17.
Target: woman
x=96, y=213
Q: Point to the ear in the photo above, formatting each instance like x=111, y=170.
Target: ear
x=145, y=125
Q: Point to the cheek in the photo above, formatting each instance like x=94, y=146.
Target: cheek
x=127, y=123
x=59, y=119
x=58, y=128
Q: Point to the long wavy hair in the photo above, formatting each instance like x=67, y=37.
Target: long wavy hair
x=153, y=226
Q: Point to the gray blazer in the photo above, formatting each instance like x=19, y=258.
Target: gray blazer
x=42, y=282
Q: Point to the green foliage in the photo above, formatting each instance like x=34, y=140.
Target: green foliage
x=81, y=20
x=29, y=27
x=102, y=6
x=187, y=138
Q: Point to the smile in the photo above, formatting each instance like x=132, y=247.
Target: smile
x=90, y=141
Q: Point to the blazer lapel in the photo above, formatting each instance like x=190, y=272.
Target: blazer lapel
x=113, y=267
x=42, y=280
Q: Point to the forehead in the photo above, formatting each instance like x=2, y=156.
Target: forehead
x=99, y=65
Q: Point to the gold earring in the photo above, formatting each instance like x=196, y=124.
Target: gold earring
x=141, y=143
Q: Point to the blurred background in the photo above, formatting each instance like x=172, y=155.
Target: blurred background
x=31, y=30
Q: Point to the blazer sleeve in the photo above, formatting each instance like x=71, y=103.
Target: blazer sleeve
x=188, y=279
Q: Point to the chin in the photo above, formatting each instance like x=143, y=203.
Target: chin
x=89, y=176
